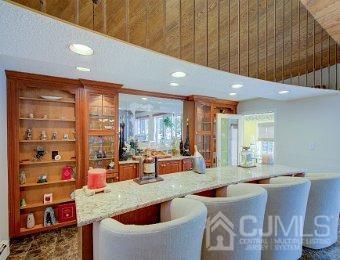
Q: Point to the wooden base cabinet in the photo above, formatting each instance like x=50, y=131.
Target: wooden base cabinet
x=171, y=166
x=128, y=171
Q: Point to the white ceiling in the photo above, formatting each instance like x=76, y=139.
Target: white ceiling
x=35, y=43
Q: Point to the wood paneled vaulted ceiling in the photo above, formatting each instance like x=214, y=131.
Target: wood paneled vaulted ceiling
x=327, y=13
x=275, y=40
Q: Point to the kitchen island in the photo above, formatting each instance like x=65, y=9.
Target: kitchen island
x=132, y=203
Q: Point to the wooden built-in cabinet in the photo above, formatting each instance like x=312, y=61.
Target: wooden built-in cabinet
x=101, y=127
x=200, y=112
x=51, y=126
x=82, y=127
x=128, y=171
x=169, y=166
x=187, y=164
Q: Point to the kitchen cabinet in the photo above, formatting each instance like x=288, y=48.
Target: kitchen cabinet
x=101, y=127
x=128, y=171
x=187, y=164
x=199, y=112
x=171, y=166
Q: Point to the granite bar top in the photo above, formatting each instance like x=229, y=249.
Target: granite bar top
x=127, y=196
x=128, y=161
x=174, y=158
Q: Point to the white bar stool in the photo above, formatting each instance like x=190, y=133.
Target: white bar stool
x=284, y=218
x=179, y=238
x=323, y=209
x=235, y=221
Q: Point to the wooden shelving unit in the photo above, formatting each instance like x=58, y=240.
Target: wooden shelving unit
x=28, y=110
x=46, y=141
x=46, y=162
x=40, y=227
x=201, y=112
x=28, y=185
x=101, y=128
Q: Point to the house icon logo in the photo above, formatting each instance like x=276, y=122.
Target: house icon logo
x=219, y=233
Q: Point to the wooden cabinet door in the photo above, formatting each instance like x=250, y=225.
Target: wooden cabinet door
x=170, y=167
x=128, y=171
x=187, y=164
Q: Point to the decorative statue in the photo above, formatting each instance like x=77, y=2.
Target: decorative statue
x=123, y=155
x=22, y=203
x=28, y=135
x=39, y=152
x=22, y=177
x=181, y=148
x=54, y=136
x=30, y=221
x=42, y=179
x=186, y=150
x=43, y=135
x=49, y=217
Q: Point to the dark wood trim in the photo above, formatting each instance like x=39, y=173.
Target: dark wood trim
x=41, y=78
x=150, y=94
x=100, y=85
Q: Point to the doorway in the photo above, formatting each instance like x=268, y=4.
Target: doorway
x=259, y=133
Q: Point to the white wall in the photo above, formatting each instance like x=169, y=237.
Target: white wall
x=307, y=131
x=3, y=160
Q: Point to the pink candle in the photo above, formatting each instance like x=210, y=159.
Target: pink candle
x=96, y=178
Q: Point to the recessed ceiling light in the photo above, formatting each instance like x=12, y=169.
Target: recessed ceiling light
x=144, y=98
x=232, y=94
x=81, y=49
x=173, y=84
x=282, y=92
x=236, y=86
x=83, y=69
x=178, y=74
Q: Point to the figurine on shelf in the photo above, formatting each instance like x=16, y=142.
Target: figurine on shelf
x=49, y=217
x=22, y=177
x=66, y=137
x=42, y=179
x=31, y=115
x=30, y=223
x=43, y=136
x=28, y=134
x=123, y=155
x=39, y=152
x=22, y=203
x=186, y=151
x=54, y=136
x=181, y=148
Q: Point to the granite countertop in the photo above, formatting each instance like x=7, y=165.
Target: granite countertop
x=174, y=158
x=127, y=196
x=128, y=161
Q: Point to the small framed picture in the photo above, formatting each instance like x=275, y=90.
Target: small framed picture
x=48, y=198
x=54, y=154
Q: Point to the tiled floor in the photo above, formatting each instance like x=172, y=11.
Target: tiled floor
x=59, y=244
x=64, y=244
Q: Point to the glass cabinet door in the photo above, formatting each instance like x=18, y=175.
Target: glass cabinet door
x=204, y=146
x=101, y=112
x=101, y=151
x=203, y=116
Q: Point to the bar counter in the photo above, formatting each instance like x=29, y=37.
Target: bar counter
x=128, y=196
